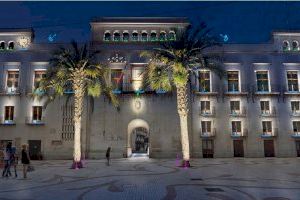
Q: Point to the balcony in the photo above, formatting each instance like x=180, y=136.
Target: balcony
x=295, y=113
x=244, y=133
x=232, y=90
x=272, y=90
x=295, y=134
x=208, y=134
x=31, y=121
x=238, y=113
x=9, y=90
x=208, y=113
x=5, y=122
x=272, y=134
x=269, y=113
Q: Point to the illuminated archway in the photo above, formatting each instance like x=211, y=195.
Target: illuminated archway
x=134, y=124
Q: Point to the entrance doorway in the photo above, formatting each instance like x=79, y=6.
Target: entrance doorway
x=35, y=149
x=238, y=148
x=208, y=148
x=140, y=141
x=298, y=148
x=269, y=148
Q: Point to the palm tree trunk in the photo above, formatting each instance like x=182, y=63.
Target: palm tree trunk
x=78, y=107
x=182, y=108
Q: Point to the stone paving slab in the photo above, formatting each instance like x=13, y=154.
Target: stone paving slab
x=148, y=179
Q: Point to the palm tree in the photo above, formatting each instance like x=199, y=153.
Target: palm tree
x=73, y=71
x=172, y=66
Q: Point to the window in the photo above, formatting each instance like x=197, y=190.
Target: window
x=172, y=36
x=38, y=75
x=204, y=81
x=236, y=127
x=206, y=126
x=205, y=107
x=107, y=36
x=295, y=45
x=37, y=113
x=296, y=126
x=9, y=113
x=233, y=81
x=292, y=78
x=295, y=105
x=262, y=78
x=144, y=36
x=117, y=36
x=265, y=107
x=153, y=36
x=12, y=82
x=2, y=45
x=162, y=36
x=286, y=46
x=135, y=36
x=117, y=79
x=267, y=126
x=126, y=36
x=235, y=107
x=11, y=45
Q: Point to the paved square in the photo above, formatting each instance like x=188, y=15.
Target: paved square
x=140, y=178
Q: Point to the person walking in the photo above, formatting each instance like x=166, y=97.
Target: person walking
x=108, y=156
x=7, y=160
x=14, y=160
x=25, y=160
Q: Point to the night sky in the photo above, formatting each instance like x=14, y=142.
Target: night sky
x=243, y=22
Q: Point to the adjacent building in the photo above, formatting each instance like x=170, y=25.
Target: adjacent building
x=252, y=112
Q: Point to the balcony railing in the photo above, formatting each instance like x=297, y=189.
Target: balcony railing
x=208, y=113
x=9, y=90
x=239, y=113
x=244, y=133
x=269, y=113
x=208, y=134
x=296, y=134
x=31, y=121
x=295, y=113
x=7, y=122
x=274, y=133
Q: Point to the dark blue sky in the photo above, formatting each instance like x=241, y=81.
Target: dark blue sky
x=244, y=22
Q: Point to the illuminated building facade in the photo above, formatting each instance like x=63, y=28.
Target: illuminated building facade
x=253, y=112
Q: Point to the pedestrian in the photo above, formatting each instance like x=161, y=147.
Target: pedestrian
x=14, y=160
x=25, y=160
x=108, y=155
x=7, y=160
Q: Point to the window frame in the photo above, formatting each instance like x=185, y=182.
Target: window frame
x=238, y=81
x=287, y=80
x=210, y=81
x=269, y=82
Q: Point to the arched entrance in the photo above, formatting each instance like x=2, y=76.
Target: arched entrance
x=138, y=137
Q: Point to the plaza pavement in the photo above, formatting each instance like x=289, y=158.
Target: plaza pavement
x=147, y=179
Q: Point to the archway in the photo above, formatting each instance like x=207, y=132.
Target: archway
x=138, y=137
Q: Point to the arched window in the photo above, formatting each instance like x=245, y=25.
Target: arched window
x=135, y=36
x=107, y=36
x=117, y=36
x=144, y=36
x=172, y=36
x=2, y=45
x=162, y=36
x=11, y=45
x=295, y=45
x=286, y=46
x=126, y=36
x=153, y=36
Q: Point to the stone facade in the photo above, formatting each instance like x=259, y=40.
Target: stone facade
x=253, y=112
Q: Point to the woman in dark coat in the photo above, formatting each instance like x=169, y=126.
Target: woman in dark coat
x=108, y=155
x=25, y=160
